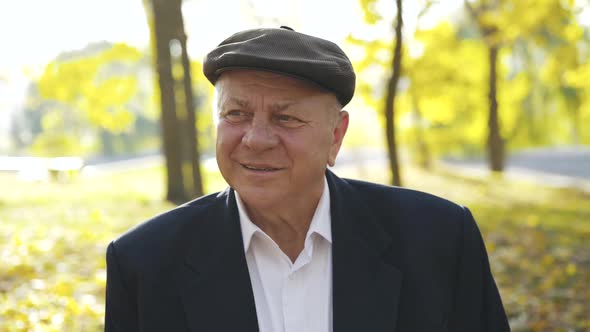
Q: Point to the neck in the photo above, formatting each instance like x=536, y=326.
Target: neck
x=289, y=223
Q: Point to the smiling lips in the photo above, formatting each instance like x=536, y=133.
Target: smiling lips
x=260, y=168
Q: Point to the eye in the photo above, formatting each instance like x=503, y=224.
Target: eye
x=288, y=120
x=236, y=116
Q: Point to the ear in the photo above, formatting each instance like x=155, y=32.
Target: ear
x=338, y=137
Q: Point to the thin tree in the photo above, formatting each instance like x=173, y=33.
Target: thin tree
x=193, y=157
x=424, y=157
x=495, y=142
x=390, y=97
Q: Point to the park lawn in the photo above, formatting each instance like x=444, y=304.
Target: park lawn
x=53, y=239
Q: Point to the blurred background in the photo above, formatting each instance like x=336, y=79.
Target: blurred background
x=106, y=120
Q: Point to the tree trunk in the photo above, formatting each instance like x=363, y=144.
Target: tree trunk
x=164, y=23
x=193, y=158
x=180, y=141
x=573, y=105
x=422, y=150
x=107, y=143
x=390, y=99
x=495, y=142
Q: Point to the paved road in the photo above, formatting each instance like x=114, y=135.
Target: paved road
x=560, y=167
x=557, y=167
x=573, y=161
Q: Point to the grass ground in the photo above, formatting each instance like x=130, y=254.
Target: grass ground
x=53, y=238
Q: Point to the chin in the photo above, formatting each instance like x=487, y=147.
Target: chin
x=260, y=197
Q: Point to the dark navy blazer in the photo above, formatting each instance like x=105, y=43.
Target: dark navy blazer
x=402, y=261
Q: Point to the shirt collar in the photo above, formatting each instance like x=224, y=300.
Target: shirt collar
x=320, y=223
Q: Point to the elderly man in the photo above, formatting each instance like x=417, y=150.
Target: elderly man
x=290, y=246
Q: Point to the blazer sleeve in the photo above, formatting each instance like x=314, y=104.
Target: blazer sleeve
x=121, y=306
x=477, y=302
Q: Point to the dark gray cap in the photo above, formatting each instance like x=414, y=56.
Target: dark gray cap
x=286, y=52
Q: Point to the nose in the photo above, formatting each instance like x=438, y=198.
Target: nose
x=260, y=136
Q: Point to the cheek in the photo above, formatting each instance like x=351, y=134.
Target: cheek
x=311, y=146
x=228, y=137
x=321, y=139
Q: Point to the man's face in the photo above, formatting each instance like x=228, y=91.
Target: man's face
x=275, y=136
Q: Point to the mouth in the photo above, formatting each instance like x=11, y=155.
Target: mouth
x=260, y=168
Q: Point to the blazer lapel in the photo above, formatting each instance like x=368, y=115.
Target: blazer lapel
x=366, y=289
x=214, y=280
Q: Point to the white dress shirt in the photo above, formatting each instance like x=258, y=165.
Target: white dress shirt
x=291, y=297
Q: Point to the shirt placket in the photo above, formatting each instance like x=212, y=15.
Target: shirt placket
x=293, y=292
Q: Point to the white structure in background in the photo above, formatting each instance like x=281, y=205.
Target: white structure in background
x=42, y=169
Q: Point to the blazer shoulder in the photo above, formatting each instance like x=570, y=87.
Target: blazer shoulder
x=415, y=214
x=423, y=227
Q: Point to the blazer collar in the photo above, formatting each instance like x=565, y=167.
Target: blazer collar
x=366, y=288
x=214, y=281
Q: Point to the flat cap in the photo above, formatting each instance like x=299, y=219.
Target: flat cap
x=287, y=52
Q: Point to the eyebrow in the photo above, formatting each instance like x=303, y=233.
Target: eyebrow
x=276, y=107
x=279, y=107
x=240, y=102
